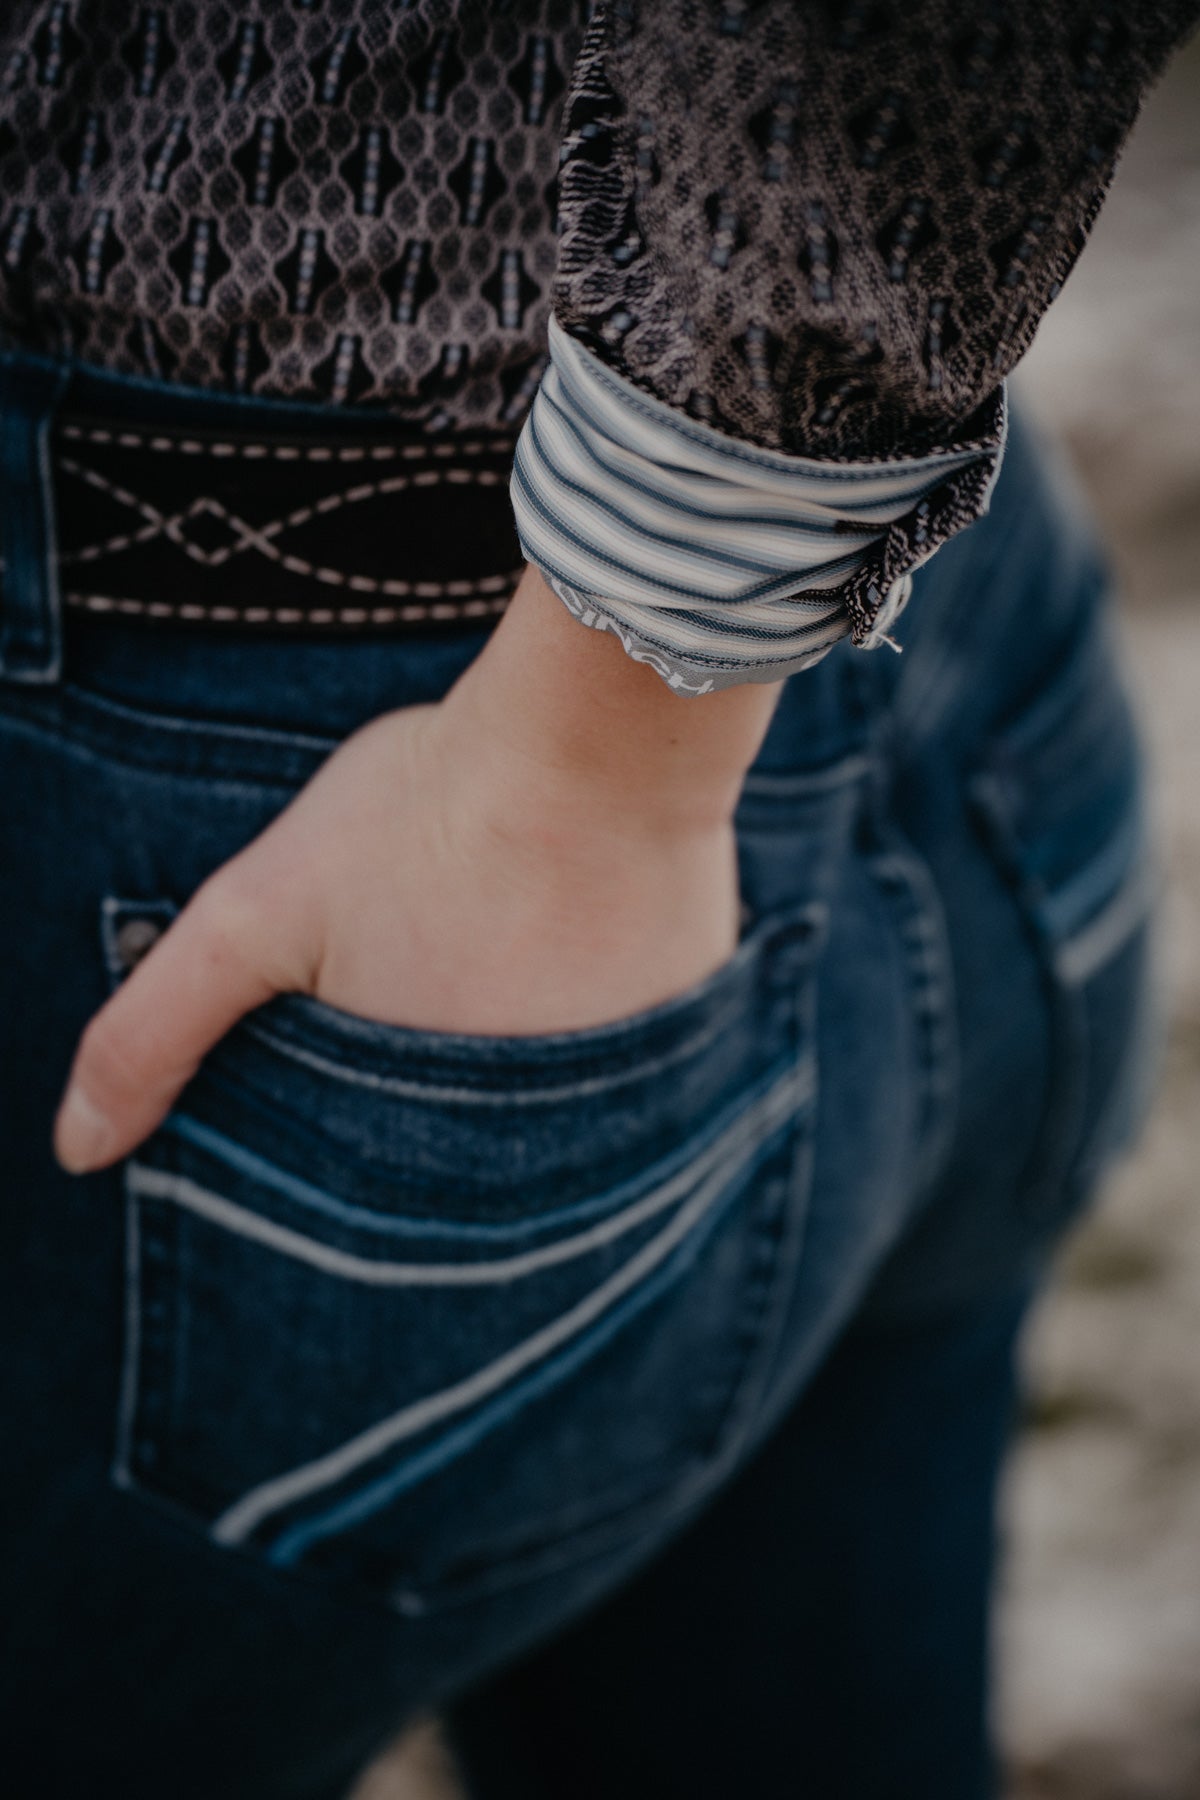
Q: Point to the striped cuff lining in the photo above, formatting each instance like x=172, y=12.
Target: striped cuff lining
x=713, y=560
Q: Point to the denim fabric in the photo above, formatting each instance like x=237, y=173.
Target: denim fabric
x=820, y=1630
x=393, y=1352
x=30, y=617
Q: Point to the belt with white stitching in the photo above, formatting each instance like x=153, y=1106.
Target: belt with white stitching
x=292, y=533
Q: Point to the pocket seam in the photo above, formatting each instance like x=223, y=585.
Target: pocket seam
x=772, y=945
x=607, y=1052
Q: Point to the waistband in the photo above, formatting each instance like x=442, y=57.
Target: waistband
x=168, y=506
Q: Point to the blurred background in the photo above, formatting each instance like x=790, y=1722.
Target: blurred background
x=1099, y=1624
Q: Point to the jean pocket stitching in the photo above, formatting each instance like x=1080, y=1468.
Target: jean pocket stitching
x=147, y=1345
x=567, y=1330
x=1081, y=954
x=1065, y=770
x=633, y=1198
x=795, y=1088
x=910, y=889
x=759, y=1132
x=499, y=1094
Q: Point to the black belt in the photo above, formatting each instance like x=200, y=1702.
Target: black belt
x=274, y=532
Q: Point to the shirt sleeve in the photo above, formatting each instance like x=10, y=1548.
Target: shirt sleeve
x=800, y=248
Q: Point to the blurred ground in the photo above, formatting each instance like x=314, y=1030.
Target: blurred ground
x=1099, y=1696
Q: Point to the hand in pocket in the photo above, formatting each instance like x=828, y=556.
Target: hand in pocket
x=433, y=874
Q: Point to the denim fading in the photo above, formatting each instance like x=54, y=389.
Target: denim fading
x=393, y=1351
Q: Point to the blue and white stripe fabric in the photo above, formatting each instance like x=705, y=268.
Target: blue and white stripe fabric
x=714, y=560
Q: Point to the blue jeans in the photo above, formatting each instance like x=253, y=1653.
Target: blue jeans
x=634, y=1395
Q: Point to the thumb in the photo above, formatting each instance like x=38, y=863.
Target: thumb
x=145, y=1044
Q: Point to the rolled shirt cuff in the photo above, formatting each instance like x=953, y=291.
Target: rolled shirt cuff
x=714, y=560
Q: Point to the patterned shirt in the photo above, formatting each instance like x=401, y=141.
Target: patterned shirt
x=747, y=274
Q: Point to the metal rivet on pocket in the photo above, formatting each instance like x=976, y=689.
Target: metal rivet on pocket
x=133, y=939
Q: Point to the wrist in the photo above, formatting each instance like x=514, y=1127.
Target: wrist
x=563, y=713
x=541, y=845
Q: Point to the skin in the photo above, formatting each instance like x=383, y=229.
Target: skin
x=549, y=847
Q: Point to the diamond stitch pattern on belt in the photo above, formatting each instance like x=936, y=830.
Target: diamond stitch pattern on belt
x=139, y=540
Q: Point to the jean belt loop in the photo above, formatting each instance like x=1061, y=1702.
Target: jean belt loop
x=30, y=603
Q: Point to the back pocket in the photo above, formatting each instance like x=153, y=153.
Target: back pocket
x=1060, y=795
x=422, y=1310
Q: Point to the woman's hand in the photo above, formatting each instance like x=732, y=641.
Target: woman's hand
x=472, y=866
